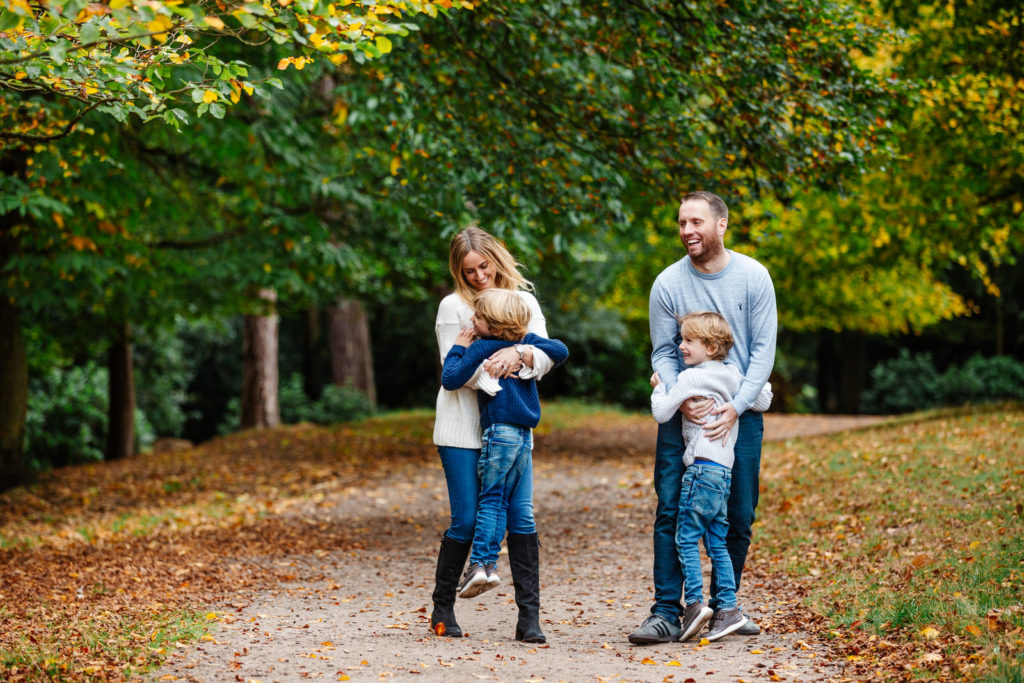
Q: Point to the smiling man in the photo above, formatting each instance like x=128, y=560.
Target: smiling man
x=709, y=278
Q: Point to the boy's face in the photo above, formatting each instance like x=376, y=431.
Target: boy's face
x=694, y=350
x=480, y=326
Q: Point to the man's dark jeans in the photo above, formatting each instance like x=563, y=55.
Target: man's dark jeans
x=743, y=494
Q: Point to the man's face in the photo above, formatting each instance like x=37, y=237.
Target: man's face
x=699, y=232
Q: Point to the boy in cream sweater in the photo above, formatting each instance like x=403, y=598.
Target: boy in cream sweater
x=706, y=340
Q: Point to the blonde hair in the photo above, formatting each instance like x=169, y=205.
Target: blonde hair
x=504, y=311
x=711, y=329
x=507, y=275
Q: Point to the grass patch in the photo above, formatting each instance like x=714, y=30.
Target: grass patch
x=133, y=644
x=910, y=539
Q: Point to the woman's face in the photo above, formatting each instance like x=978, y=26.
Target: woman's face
x=478, y=271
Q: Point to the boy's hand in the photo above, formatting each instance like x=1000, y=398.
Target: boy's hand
x=695, y=409
x=465, y=337
x=655, y=380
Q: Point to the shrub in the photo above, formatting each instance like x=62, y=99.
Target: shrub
x=66, y=422
x=909, y=383
x=983, y=380
x=903, y=384
x=336, y=404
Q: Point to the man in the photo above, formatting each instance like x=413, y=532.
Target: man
x=708, y=278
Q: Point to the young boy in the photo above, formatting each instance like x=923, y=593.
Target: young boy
x=500, y=319
x=706, y=340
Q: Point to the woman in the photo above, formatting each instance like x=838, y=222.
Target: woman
x=478, y=261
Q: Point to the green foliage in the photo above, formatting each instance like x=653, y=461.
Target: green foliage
x=66, y=423
x=910, y=382
x=67, y=417
x=336, y=404
x=983, y=380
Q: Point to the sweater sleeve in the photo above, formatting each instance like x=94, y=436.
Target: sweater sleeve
x=460, y=365
x=665, y=402
x=764, y=328
x=553, y=349
x=764, y=399
x=664, y=328
x=542, y=364
x=447, y=325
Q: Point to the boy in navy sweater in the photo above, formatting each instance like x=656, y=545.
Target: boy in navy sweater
x=500, y=319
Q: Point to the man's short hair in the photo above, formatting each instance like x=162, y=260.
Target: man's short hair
x=718, y=208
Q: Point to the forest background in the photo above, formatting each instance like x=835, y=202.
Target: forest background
x=218, y=215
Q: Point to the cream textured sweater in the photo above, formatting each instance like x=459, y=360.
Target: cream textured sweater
x=457, y=418
x=711, y=379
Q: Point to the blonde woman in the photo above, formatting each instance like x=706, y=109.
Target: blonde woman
x=478, y=261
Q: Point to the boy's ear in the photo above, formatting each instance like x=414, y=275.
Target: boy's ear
x=712, y=350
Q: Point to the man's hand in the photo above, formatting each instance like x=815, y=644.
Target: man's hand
x=696, y=409
x=720, y=428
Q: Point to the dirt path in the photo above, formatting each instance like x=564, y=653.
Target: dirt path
x=364, y=616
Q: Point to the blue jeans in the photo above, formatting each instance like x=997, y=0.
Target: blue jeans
x=464, y=490
x=743, y=492
x=506, y=451
x=703, y=503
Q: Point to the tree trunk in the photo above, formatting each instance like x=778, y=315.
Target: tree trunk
x=351, y=357
x=121, y=406
x=13, y=361
x=13, y=396
x=312, y=377
x=259, y=368
x=842, y=371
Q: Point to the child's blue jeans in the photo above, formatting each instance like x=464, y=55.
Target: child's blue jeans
x=703, y=508
x=504, y=456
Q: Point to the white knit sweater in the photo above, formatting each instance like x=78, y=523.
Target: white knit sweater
x=457, y=418
x=711, y=379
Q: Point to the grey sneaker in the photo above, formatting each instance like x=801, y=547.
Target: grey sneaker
x=724, y=622
x=655, y=629
x=474, y=581
x=694, y=617
x=748, y=629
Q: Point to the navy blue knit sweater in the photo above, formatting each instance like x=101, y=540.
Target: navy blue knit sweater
x=517, y=403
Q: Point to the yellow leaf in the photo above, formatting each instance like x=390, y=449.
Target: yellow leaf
x=396, y=164
x=283, y=64
x=212, y=21
x=648, y=660
x=673, y=663
x=20, y=75
x=929, y=632
x=383, y=44
x=211, y=616
x=210, y=96
x=756, y=652
x=973, y=630
x=705, y=641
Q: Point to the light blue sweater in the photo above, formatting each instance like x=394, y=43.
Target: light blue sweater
x=743, y=293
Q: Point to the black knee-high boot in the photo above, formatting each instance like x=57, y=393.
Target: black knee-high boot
x=451, y=559
x=524, y=560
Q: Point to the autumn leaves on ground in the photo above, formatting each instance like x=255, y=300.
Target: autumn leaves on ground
x=905, y=541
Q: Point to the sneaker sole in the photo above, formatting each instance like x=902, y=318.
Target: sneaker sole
x=697, y=625
x=652, y=640
x=474, y=588
x=727, y=630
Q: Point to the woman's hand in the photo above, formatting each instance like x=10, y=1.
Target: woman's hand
x=503, y=363
x=655, y=380
x=466, y=337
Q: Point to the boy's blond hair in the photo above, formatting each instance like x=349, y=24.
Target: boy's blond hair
x=711, y=329
x=504, y=311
